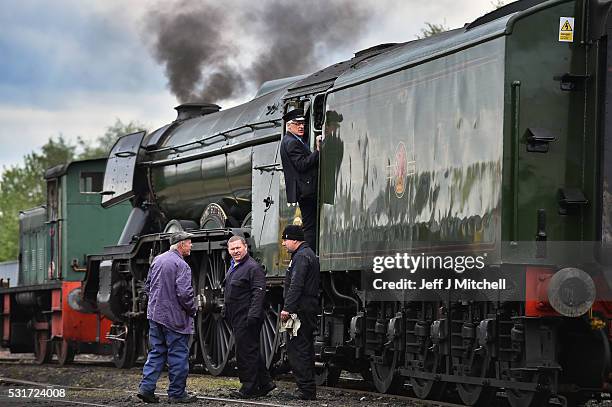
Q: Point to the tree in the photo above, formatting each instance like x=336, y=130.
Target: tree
x=499, y=3
x=432, y=29
x=105, y=142
x=24, y=187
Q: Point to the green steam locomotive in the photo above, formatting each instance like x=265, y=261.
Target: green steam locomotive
x=490, y=141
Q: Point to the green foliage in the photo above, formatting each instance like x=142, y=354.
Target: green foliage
x=499, y=3
x=24, y=187
x=432, y=29
x=106, y=141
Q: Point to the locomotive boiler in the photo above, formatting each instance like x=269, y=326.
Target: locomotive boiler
x=492, y=140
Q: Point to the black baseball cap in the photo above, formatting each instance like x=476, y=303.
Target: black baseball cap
x=293, y=232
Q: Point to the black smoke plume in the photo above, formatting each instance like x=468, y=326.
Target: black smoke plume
x=187, y=41
x=202, y=46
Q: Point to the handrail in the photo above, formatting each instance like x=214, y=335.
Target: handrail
x=516, y=115
x=225, y=134
x=210, y=153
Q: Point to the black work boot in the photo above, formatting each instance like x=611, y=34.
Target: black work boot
x=148, y=397
x=187, y=398
x=300, y=395
x=239, y=394
x=265, y=389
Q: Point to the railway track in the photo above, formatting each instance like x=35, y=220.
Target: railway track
x=9, y=381
x=403, y=400
x=347, y=379
x=347, y=387
x=94, y=363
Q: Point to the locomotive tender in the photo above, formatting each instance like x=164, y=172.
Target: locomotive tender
x=494, y=139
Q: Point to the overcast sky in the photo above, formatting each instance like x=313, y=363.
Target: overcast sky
x=73, y=67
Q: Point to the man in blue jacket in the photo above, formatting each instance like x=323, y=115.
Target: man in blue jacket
x=245, y=291
x=170, y=311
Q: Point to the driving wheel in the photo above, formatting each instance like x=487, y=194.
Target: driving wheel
x=214, y=333
x=42, y=348
x=65, y=352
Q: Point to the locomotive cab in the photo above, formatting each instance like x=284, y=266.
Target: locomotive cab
x=46, y=312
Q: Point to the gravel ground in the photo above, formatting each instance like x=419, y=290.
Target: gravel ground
x=110, y=387
x=118, y=387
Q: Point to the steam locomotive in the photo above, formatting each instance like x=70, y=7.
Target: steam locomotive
x=43, y=313
x=492, y=139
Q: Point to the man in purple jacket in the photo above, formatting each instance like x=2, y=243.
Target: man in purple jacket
x=170, y=311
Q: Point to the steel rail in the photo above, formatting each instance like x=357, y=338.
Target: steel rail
x=258, y=403
x=413, y=400
x=78, y=388
x=246, y=402
x=48, y=399
x=4, y=380
x=20, y=361
x=391, y=396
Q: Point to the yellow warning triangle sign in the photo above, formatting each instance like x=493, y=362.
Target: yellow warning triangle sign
x=566, y=26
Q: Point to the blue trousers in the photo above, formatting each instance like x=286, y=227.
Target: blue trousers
x=173, y=347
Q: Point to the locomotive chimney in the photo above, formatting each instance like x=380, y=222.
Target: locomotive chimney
x=191, y=110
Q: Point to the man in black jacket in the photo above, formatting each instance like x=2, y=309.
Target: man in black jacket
x=300, y=166
x=245, y=291
x=301, y=298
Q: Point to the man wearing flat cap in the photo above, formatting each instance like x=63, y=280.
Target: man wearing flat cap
x=300, y=166
x=301, y=293
x=170, y=311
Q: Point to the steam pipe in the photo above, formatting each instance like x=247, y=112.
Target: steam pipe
x=342, y=296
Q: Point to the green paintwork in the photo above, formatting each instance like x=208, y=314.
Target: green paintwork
x=430, y=154
x=534, y=58
x=455, y=116
x=415, y=163
x=265, y=223
x=80, y=228
x=33, y=250
x=184, y=190
x=87, y=227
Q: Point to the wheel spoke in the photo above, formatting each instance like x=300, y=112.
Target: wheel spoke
x=42, y=348
x=222, y=339
x=215, y=338
x=218, y=348
x=266, y=341
x=477, y=395
x=124, y=352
